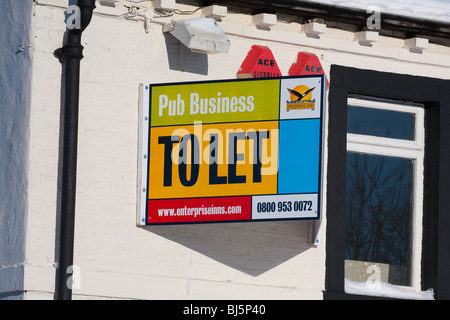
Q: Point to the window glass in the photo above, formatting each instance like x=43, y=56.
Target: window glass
x=378, y=218
x=380, y=123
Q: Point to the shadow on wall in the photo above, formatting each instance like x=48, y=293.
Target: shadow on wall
x=250, y=247
x=182, y=59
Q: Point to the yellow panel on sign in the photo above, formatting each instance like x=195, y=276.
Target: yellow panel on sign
x=213, y=160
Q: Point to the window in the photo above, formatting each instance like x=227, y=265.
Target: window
x=407, y=147
x=384, y=195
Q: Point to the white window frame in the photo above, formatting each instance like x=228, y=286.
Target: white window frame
x=407, y=149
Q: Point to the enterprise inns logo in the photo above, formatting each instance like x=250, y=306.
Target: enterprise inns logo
x=301, y=98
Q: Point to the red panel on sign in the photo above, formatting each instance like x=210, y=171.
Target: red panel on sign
x=306, y=64
x=259, y=63
x=199, y=209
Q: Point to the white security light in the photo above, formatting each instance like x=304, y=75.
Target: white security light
x=199, y=35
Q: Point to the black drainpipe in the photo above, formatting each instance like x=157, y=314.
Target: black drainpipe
x=70, y=56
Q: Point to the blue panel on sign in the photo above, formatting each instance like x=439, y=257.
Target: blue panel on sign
x=299, y=152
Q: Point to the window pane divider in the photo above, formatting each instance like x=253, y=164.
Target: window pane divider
x=383, y=150
x=384, y=142
x=407, y=108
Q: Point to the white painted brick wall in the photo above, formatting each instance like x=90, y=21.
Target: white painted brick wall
x=264, y=260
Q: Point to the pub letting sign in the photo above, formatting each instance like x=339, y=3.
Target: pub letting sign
x=233, y=150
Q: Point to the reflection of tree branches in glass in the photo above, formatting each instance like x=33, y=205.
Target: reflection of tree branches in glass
x=378, y=209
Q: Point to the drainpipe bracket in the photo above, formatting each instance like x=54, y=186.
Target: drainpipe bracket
x=69, y=50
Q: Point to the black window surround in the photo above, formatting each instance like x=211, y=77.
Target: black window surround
x=435, y=95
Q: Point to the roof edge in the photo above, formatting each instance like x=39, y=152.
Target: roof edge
x=345, y=18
